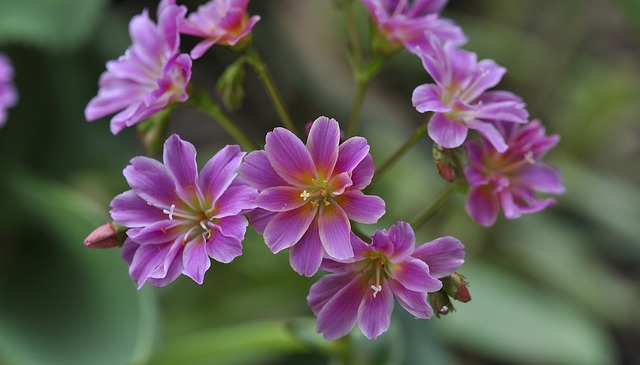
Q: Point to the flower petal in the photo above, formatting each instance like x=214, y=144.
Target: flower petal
x=218, y=173
x=490, y=133
x=180, y=158
x=426, y=98
x=289, y=157
x=259, y=219
x=257, y=171
x=482, y=205
x=223, y=248
x=363, y=173
x=542, y=178
x=323, y=141
x=445, y=132
x=195, y=260
x=339, y=314
x=326, y=288
x=414, y=302
x=286, y=228
x=281, y=198
x=444, y=256
x=374, y=313
x=403, y=238
x=150, y=180
x=306, y=255
x=164, y=231
x=361, y=208
x=145, y=260
x=335, y=229
x=350, y=153
x=414, y=275
x=129, y=210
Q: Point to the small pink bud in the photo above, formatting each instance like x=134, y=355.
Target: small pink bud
x=456, y=286
x=105, y=236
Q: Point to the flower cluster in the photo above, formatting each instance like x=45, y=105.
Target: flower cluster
x=8, y=93
x=307, y=197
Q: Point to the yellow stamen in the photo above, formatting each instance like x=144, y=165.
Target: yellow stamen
x=305, y=195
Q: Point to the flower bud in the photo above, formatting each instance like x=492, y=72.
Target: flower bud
x=449, y=162
x=229, y=85
x=440, y=303
x=456, y=286
x=105, y=236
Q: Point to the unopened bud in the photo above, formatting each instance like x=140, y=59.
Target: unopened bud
x=456, y=286
x=440, y=303
x=105, y=236
x=230, y=85
x=449, y=162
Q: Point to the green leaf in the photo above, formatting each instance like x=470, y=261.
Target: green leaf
x=49, y=24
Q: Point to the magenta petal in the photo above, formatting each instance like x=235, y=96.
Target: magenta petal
x=218, y=173
x=202, y=47
x=173, y=254
x=238, y=198
x=542, y=178
x=322, y=143
x=171, y=273
x=508, y=205
x=339, y=314
x=195, y=260
x=414, y=275
x=488, y=131
x=325, y=288
x=180, y=158
x=335, y=229
x=289, y=157
x=482, y=205
x=223, y=248
x=285, y=229
x=374, y=313
x=444, y=256
x=129, y=210
x=306, y=255
x=231, y=226
x=445, y=132
x=350, y=154
x=426, y=98
x=281, y=198
x=403, y=238
x=414, y=302
x=157, y=233
x=145, y=260
x=363, y=173
x=474, y=176
x=150, y=180
x=257, y=171
x=361, y=208
x=259, y=219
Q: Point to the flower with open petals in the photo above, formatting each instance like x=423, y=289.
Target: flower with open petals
x=411, y=23
x=8, y=93
x=178, y=218
x=459, y=99
x=362, y=290
x=151, y=75
x=308, y=194
x=223, y=22
x=511, y=179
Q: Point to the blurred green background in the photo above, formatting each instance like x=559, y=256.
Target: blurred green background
x=558, y=287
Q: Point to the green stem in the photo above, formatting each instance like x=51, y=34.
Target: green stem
x=420, y=132
x=432, y=209
x=201, y=100
x=260, y=67
x=356, y=107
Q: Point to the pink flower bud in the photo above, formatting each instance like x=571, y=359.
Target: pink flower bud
x=105, y=236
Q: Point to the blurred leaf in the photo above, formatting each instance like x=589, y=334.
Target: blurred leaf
x=71, y=305
x=49, y=24
x=512, y=321
x=632, y=11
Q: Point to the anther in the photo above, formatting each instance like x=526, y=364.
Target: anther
x=529, y=157
x=305, y=195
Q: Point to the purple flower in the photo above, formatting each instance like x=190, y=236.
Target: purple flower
x=459, y=99
x=178, y=218
x=8, y=93
x=223, y=22
x=151, y=75
x=510, y=179
x=411, y=23
x=362, y=291
x=309, y=193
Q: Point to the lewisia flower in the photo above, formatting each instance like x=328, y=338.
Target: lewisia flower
x=362, y=291
x=8, y=93
x=309, y=193
x=510, y=179
x=459, y=99
x=151, y=75
x=411, y=23
x=178, y=218
x=223, y=22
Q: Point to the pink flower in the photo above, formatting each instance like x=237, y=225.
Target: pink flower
x=178, y=218
x=308, y=194
x=411, y=23
x=151, y=75
x=362, y=290
x=510, y=179
x=459, y=99
x=223, y=22
x=8, y=93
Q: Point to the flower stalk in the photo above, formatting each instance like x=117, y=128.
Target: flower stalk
x=432, y=209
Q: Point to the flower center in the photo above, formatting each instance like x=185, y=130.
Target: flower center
x=317, y=194
x=197, y=221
